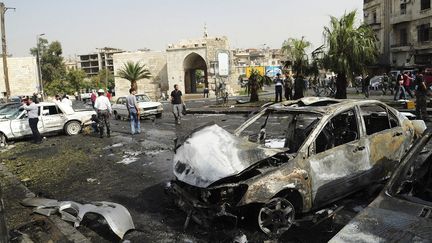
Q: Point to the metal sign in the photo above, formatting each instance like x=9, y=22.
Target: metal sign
x=223, y=61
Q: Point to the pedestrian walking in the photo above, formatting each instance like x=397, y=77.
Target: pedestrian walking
x=421, y=98
x=407, y=83
x=206, y=92
x=278, y=88
x=134, y=113
x=299, y=87
x=103, y=109
x=176, y=101
x=288, y=85
x=399, y=88
x=93, y=97
x=33, y=118
x=66, y=101
x=365, y=86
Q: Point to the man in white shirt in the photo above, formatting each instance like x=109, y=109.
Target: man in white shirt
x=33, y=118
x=103, y=109
x=66, y=101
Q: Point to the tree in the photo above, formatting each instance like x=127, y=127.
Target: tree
x=76, y=79
x=349, y=49
x=256, y=82
x=133, y=72
x=51, y=60
x=104, y=79
x=295, y=49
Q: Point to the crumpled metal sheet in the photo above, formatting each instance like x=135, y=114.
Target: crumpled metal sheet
x=116, y=215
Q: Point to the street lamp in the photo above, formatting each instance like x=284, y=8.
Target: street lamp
x=39, y=64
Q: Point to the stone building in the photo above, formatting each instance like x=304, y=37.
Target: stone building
x=187, y=56
x=157, y=65
x=23, y=76
x=403, y=31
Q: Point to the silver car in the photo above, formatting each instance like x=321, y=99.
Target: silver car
x=146, y=106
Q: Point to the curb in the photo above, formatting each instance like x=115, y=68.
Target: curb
x=70, y=232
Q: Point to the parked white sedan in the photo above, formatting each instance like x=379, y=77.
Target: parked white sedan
x=146, y=106
x=53, y=117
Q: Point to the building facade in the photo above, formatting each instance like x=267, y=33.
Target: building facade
x=23, y=76
x=94, y=62
x=411, y=44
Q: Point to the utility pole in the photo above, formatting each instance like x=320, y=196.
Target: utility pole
x=3, y=10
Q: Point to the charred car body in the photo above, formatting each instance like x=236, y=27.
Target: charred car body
x=289, y=159
x=403, y=210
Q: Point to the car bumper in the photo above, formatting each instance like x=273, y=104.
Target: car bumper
x=151, y=112
x=201, y=213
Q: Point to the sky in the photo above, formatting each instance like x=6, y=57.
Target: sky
x=81, y=26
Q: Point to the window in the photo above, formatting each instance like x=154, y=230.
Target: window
x=425, y=4
x=394, y=122
x=403, y=9
x=51, y=110
x=403, y=37
x=341, y=129
x=423, y=32
x=374, y=17
x=376, y=119
x=281, y=129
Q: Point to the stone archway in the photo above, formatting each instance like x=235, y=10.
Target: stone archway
x=195, y=73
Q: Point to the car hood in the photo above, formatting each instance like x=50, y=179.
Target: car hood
x=384, y=225
x=212, y=153
x=148, y=104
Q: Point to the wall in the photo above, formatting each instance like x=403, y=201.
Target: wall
x=23, y=76
x=154, y=61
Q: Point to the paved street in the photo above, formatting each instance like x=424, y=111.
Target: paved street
x=133, y=171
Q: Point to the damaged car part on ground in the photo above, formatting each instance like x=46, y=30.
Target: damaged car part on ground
x=290, y=159
x=403, y=210
x=116, y=216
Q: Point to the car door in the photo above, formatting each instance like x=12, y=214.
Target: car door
x=52, y=118
x=122, y=109
x=385, y=136
x=339, y=155
x=20, y=126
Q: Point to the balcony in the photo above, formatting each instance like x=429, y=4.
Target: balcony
x=401, y=47
x=401, y=17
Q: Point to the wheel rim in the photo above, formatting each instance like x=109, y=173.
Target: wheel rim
x=276, y=217
x=74, y=128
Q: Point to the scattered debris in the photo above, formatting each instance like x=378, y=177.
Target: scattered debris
x=240, y=239
x=130, y=157
x=115, y=215
x=93, y=180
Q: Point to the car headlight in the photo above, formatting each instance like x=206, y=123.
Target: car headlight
x=230, y=194
x=160, y=107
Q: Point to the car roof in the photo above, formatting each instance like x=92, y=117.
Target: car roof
x=319, y=105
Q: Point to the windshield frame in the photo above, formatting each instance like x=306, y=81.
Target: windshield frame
x=144, y=99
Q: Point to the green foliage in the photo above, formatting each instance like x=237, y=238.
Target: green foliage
x=295, y=49
x=349, y=49
x=104, y=79
x=133, y=72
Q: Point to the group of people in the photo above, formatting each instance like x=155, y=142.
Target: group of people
x=287, y=85
x=63, y=99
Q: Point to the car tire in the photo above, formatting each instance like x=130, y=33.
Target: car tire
x=276, y=216
x=3, y=140
x=73, y=128
x=117, y=116
x=159, y=115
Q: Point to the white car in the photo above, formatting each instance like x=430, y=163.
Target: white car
x=146, y=106
x=53, y=117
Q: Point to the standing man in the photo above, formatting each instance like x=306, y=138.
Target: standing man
x=66, y=101
x=33, y=117
x=176, y=101
x=133, y=109
x=365, y=85
x=278, y=88
x=399, y=88
x=299, y=87
x=103, y=109
x=421, y=98
x=288, y=83
x=407, y=83
x=93, y=98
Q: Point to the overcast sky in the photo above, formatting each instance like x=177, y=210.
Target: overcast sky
x=84, y=25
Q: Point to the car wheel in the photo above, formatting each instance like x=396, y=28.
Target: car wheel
x=3, y=140
x=72, y=128
x=159, y=115
x=276, y=217
x=117, y=116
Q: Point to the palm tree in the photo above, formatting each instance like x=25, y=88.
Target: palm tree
x=349, y=49
x=256, y=82
x=295, y=49
x=133, y=72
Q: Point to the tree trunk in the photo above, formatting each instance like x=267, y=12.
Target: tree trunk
x=134, y=85
x=254, y=94
x=341, y=86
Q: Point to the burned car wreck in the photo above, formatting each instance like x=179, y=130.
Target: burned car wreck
x=403, y=210
x=290, y=159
